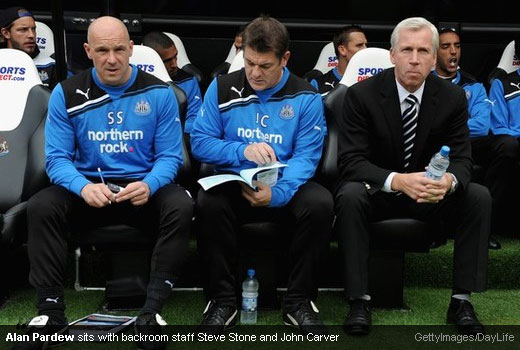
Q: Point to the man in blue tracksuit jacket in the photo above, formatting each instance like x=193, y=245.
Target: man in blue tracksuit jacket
x=505, y=94
x=347, y=41
x=166, y=48
x=496, y=152
x=251, y=117
x=112, y=123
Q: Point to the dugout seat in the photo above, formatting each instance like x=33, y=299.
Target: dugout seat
x=44, y=39
x=22, y=151
x=126, y=248
x=326, y=61
x=182, y=58
x=223, y=68
x=391, y=238
x=237, y=63
x=508, y=63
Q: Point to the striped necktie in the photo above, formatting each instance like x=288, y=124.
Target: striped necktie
x=409, y=126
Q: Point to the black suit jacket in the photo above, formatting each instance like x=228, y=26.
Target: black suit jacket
x=371, y=135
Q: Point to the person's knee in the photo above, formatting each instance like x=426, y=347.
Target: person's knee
x=179, y=201
x=45, y=203
x=210, y=204
x=507, y=147
x=350, y=195
x=318, y=201
x=479, y=197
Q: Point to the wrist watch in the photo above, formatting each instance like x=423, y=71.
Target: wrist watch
x=454, y=183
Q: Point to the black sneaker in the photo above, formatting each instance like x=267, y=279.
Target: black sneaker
x=306, y=319
x=149, y=324
x=216, y=318
x=44, y=326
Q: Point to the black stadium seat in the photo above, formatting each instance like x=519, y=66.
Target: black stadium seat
x=22, y=149
x=223, y=68
x=326, y=61
x=182, y=58
x=508, y=63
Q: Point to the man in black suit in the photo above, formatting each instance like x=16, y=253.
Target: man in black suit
x=392, y=124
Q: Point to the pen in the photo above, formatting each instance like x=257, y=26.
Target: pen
x=103, y=180
x=101, y=176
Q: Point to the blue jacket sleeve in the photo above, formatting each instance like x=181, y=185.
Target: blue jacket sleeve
x=314, y=83
x=308, y=146
x=479, y=107
x=499, y=111
x=167, y=144
x=60, y=145
x=207, y=143
x=194, y=103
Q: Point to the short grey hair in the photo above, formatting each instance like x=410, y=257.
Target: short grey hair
x=415, y=23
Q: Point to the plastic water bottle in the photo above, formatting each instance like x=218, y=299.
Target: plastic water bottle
x=438, y=164
x=248, y=314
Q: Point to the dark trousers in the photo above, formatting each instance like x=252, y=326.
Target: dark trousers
x=54, y=212
x=498, y=155
x=221, y=211
x=471, y=209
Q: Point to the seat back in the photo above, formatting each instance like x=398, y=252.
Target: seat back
x=508, y=63
x=44, y=38
x=363, y=65
x=326, y=61
x=223, y=68
x=148, y=60
x=366, y=63
x=182, y=58
x=22, y=146
x=237, y=63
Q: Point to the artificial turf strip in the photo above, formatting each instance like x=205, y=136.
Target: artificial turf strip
x=426, y=294
x=427, y=291
x=426, y=306
x=434, y=269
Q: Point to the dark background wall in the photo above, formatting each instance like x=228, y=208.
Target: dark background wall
x=207, y=27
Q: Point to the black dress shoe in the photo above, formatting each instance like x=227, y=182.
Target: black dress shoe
x=358, y=320
x=493, y=243
x=461, y=313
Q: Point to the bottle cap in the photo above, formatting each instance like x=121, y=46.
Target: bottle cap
x=445, y=151
x=251, y=272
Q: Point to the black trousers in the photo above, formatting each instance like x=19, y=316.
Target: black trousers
x=221, y=211
x=54, y=212
x=498, y=155
x=470, y=209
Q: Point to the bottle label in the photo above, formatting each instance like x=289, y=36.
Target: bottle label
x=249, y=304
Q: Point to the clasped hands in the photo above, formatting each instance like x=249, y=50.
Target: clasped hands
x=420, y=188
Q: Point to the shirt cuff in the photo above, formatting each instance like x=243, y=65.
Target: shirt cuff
x=387, y=187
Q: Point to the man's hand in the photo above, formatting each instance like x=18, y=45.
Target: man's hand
x=260, y=153
x=259, y=198
x=137, y=192
x=420, y=188
x=97, y=195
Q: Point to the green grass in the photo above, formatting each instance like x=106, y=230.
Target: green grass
x=427, y=293
x=426, y=306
